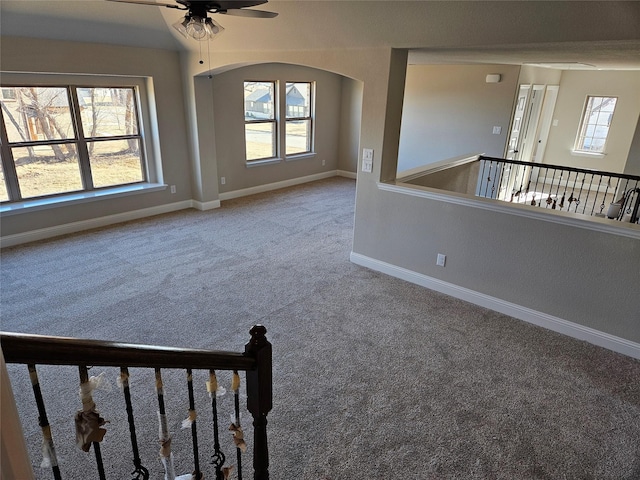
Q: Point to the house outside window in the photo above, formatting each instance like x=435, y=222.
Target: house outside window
x=264, y=125
x=299, y=118
x=63, y=139
x=260, y=123
x=595, y=124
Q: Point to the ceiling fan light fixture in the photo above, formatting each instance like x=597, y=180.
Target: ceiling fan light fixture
x=198, y=28
x=181, y=26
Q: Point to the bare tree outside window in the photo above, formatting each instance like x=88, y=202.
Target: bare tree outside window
x=52, y=150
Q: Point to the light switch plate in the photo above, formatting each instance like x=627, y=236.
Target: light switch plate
x=367, y=160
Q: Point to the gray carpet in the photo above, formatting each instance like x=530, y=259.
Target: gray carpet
x=374, y=378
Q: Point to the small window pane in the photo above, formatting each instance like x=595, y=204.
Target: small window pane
x=37, y=113
x=259, y=101
x=298, y=136
x=47, y=170
x=115, y=162
x=4, y=195
x=260, y=140
x=107, y=112
x=298, y=100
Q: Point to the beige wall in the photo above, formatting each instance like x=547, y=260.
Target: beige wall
x=530, y=75
x=228, y=129
x=163, y=70
x=450, y=110
x=350, y=123
x=539, y=265
x=574, y=88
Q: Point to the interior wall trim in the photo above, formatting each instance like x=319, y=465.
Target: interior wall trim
x=571, y=329
x=204, y=206
x=554, y=216
x=276, y=185
x=73, y=227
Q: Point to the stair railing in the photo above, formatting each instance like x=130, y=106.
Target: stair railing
x=255, y=361
x=555, y=187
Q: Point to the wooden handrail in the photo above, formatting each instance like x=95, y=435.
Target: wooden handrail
x=49, y=350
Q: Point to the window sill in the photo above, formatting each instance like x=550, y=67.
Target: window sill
x=300, y=156
x=260, y=163
x=78, y=198
x=577, y=153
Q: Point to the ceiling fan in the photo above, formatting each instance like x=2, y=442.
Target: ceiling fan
x=196, y=23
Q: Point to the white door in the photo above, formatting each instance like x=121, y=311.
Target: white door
x=516, y=124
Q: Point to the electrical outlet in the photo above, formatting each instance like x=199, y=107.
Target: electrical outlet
x=441, y=260
x=223, y=180
x=173, y=189
x=323, y=162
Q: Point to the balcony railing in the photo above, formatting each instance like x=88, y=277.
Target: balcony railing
x=554, y=187
x=34, y=350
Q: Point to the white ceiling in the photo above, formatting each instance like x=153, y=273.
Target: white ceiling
x=429, y=28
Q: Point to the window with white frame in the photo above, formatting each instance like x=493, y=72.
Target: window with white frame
x=594, y=125
x=299, y=119
x=59, y=139
x=260, y=120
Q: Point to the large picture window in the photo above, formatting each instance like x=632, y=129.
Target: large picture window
x=595, y=123
x=62, y=139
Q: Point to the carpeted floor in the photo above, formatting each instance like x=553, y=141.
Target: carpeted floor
x=374, y=378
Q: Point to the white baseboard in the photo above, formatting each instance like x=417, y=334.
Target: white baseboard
x=276, y=185
x=345, y=174
x=64, y=229
x=67, y=228
x=204, y=206
x=580, y=332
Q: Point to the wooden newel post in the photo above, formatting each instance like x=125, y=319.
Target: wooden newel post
x=259, y=398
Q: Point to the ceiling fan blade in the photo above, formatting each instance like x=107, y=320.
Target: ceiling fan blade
x=248, y=13
x=147, y=2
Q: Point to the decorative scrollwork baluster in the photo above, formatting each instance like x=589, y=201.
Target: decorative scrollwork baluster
x=238, y=434
x=163, y=431
x=48, y=448
x=197, y=474
x=88, y=421
x=140, y=472
x=218, y=458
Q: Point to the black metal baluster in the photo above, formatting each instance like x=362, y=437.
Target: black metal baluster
x=163, y=431
x=535, y=186
x=544, y=184
x=572, y=198
x=555, y=200
x=218, y=458
x=484, y=163
x=595, y=201
x=500, y=175
x=43, y=421
x=140, y=472
x=87, y=400
x=606, y=192
x=236, y=404
x=197, y=474
x=586, y=201
x=519, y=192
x=549, y=200
x=580, y=195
